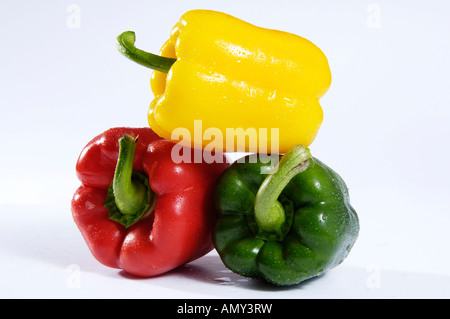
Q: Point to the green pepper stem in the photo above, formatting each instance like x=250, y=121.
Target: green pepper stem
x=269, y=213
x=125, y=45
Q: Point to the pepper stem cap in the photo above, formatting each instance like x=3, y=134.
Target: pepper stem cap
x=270, y=214
x=129, y=197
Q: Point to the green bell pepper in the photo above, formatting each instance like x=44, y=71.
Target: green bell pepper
x=286, y=222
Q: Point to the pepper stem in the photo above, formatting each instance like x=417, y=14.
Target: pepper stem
x=125, y=45
x=130, y=197
x=269, y=212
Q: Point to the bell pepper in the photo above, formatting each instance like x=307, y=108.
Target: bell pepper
x=286, y=222
x=137, y=209
x=231, y=74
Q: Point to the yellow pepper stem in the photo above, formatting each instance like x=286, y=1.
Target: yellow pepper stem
x=125, y=45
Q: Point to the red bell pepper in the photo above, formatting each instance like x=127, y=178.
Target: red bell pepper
x=137, y=209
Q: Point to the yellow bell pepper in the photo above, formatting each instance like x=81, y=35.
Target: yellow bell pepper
x=233, y=75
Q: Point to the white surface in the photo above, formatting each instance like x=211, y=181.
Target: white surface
x=385, y=131
x=43, y=256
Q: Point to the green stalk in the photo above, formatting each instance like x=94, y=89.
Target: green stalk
x=130, y=197
x=269, y=212
x=125, y=45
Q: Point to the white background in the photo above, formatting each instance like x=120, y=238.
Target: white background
x=385, y=130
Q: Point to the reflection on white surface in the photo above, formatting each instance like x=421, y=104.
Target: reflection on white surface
x=51, y=260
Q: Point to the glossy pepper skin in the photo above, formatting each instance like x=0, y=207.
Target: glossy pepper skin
x=318, y=230
x=177, y=227
x=232, y=74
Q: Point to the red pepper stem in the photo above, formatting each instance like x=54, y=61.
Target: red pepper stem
x=269, y=212
x=130, y=197
x=125, y=45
